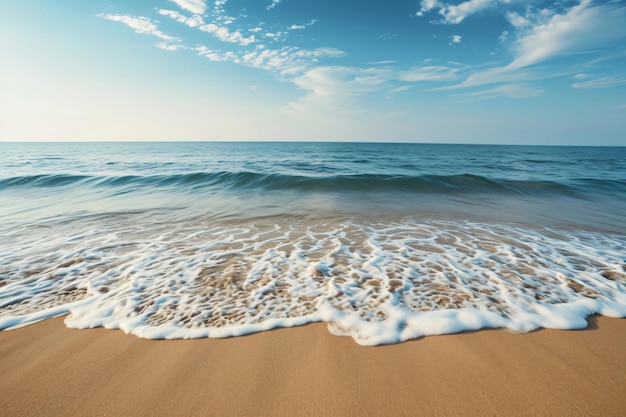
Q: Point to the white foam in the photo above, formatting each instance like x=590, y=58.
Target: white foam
x=378, y=283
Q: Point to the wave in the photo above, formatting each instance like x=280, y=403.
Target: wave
x=43, y=180
x=233, y=181
x=377, y=282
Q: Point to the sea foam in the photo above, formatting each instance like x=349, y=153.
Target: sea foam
x=379, y=282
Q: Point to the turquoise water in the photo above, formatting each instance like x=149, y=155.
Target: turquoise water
x=384, y=242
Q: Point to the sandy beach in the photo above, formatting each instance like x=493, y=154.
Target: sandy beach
x=49, y=370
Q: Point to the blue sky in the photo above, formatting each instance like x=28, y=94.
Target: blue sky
x=475, y=71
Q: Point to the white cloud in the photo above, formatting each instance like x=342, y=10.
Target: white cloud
x=193, y=6
x=602, y=82
x=194, y=21
x=289, y=60
x=428, y=5
x=226, y=20
x=518, y=20
x=274, y=35
x=335, y=88
x=140, y=24
x=537, y=37
x=222, y=33
x=273, y=4
x=454, y=14
x=219, y=6
x=304, y=26
x=216, y=56
x=340, y=80
x=286, y=62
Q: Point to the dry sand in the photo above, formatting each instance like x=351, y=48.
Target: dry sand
x=49, y=370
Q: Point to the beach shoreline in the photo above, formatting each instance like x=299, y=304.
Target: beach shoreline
x=50, y=370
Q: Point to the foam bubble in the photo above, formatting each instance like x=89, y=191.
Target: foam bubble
x=379, y=283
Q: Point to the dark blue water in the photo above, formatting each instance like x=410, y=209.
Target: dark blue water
x=570, y=187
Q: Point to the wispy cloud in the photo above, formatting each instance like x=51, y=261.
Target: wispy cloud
x=340, y=80
x=330, y=88
x=602, y=82
x=334, y=88
x=456, y=39
x=516, y=91
x=193, y=6
x=285, y=63
x=428, y=73
x=580, y=28
x=143, y=25
x=400, y=89
x=384, y=62
x=620, y=53
x=288, y=60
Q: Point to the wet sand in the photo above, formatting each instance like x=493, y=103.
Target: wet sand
x=49, y=370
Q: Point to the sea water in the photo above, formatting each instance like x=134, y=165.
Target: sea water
x=384, y=242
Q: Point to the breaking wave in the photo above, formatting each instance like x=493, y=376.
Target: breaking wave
x=234, y=181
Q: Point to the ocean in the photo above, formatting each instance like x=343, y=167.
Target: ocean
x=384, y=242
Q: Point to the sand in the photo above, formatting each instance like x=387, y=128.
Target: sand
x=49, y=370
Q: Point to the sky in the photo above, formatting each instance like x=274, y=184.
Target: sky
x=475, y=71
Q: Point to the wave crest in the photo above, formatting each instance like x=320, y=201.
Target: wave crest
x=233, y=181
